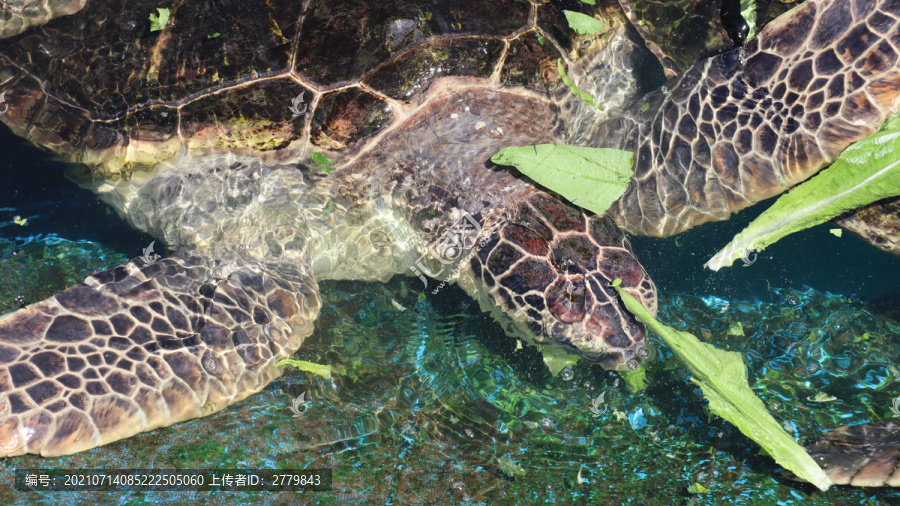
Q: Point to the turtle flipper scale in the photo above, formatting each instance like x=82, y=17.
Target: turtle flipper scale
x=143, y=346
x=748, y=124
x=20, y=15
x=865, y=455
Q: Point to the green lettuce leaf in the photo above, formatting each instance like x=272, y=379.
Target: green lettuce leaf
x=636, y=380
x=722, y=376
x=321, y=370
x=157, y=23
x=736, y=329
x=697, y=488
x=575, y=89
x=510, y=467
x=592, y=178
x=865, y=172
x=748, y=12
x=323, y=162
x=583, y=24
x=556, y=360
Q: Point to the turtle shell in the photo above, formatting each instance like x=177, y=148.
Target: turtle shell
x=103, y=87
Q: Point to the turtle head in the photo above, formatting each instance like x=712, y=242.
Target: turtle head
x=550, y=267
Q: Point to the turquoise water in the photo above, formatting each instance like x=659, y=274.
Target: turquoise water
x=433, y=404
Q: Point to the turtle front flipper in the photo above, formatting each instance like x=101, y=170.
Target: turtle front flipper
x=748, y=124
x=860, y=455
x=145, y=345
x=20, y=15
x=877, y=223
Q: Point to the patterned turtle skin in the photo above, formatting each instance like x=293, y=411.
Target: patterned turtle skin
x=16, y=16
x=201, y=134
x=110, y=356
x=860, y=455
x=877, y=223
x=747, y=124
x=681, y=32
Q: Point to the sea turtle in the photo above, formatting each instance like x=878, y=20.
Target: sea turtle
x=274, y=144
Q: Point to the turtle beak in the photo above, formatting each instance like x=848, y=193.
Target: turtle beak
x=603, y=331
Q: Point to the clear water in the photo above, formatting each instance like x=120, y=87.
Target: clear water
x=434, y=405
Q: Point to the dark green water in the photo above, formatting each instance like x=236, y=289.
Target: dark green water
x=435, y=405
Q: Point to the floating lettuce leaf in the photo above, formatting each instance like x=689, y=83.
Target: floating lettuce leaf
x=157, y=23
x=323, y=162
x=722, y=376
x=592, y=178
x=697, y=488
x=736, y=329
x=321, y=370
x=557, y=360
x=748, y=12
x=865, y=172
x=821, y=397
x=589, y=2
x=636, y=380
x=583, y=24
x=509, y=466
x=575, y=89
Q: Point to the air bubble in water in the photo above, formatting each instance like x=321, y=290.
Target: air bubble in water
x=566, y=373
